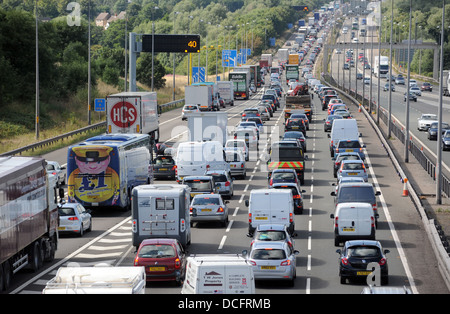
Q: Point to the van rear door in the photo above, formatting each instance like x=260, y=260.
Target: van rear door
x=162, y=218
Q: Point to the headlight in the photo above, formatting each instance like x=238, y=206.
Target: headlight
x=447, y=142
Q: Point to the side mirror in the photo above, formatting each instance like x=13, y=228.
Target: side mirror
x=246, y=203
x=244, y=252
x=378, y=193
x=332, y=216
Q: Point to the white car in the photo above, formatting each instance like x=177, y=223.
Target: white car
x=236, y=160
x=425, y=121
x=74, y=218
x=53, y=167
x=416, y=90
x=187, y=109
x=240, y=145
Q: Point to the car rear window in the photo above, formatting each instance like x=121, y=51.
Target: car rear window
x=268, y=254
x=283, y=176
x=233, y=157
x=199, y=185
x=157, y=251
x=363, y=194
x=270, y=235
x=349, y=144
x=66, y=211
x=164, y=161
x=363, y=251
x=219, y=177
x=205, y=201
x=352, y=166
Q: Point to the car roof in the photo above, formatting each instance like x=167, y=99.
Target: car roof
x=358, y=161
x=362, y=242
x=207, y=195
x=277, y=227
x=284, y=170
x=216, y=171
x=73, y=205
x=290, y=184
x=355, y=184
x=197, y=178
x=269, y=245
x=159, y=241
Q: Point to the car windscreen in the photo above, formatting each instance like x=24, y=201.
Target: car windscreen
x=268, y=254
x=156, y=251
x=363, y=194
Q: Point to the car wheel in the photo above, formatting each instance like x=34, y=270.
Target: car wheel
x=343, y=280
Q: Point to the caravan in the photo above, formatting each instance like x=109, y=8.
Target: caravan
x=161, y=211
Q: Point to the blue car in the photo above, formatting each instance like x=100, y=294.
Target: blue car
x=349, y=146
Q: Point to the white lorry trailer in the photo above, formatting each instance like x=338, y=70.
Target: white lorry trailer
x=225, y=90
x=208, y=126
x=218, y=274
x=133, y=112
x=201, y=95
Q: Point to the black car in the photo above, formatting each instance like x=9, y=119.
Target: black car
x=164, y=167
x=273, y=98
x=356, y=257
x=328, y=122
x=295, y=125
x=298, y=135
x=282, y=176
x=433, y=129
x=412, y=96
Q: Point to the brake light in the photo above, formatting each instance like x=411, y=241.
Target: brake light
x=249, y=218
x=297, y=196
x=73, y=218
x=374, y=206
x=220, y=210
x=253, y=263
x=227, y=183
x=286, y=263
x=177, y=263
x=336, y=222
x=372, y=222
x=382, y=261
x=136, y=261
x=190, y=209
x=291, y=218
x=344, y=261
x=271, y=182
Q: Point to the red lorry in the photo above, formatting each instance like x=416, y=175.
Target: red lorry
x=28, y=216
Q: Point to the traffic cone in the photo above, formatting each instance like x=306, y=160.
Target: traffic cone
x=359, y=108
x=405, y=188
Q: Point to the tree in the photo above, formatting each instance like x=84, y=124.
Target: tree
x=144, y=71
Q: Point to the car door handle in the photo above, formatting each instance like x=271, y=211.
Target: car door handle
x=353, y=223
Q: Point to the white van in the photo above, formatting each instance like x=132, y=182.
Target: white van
x=218, y=274
x=195, y=158
x=353, y=221
x=270, y=206
x=343, y=129
x=98, y=279
x=161, y=211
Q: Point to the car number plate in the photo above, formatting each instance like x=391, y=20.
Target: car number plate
x=232, y=166
x=61, y=228
x=295, y=127
x=348, y=229
x=352, y=173
x=269, y=267
x=206, y=209
x=349, y=150
x=363, y=273
x=163, y=169
x=156, y=268
x=261, y=218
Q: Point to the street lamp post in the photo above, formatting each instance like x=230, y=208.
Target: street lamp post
x=390, y=71
x=406, y=147
x=439, y=134
x=153, y=44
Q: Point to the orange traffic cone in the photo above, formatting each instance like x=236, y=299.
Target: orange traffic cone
x=405, y=187
x=359, y=108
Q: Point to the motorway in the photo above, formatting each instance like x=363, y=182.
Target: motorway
x=411, y=260
x=317, y=265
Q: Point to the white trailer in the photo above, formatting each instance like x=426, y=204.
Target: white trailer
x=201, y=95
x=208, y=126
x=98, y=279
x=283, y=55
x=218, y=274
x=133, y=112
x=381, y=66
x=225, y=89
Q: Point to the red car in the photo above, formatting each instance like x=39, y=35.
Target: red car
x=426, y=87
x=163, y=259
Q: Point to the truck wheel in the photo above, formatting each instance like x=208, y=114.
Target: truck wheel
x=35, y=258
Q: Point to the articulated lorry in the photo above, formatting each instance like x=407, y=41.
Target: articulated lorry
x=298, y=99
x=241, y=83
x=28, y=216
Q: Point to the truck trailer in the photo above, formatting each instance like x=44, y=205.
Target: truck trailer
x=133, y=112
x=28, y=215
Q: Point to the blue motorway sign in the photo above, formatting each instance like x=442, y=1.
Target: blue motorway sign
x=246, y=52
x=198, y=74
x=100, y=104
x=229, y=58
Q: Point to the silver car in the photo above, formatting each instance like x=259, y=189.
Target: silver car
x=273, y=260
x=53, y=167
x=352, y=168
x=74, y=218
x=209, y=208
x=224, y=182
x=269, y=232
x=187, y=109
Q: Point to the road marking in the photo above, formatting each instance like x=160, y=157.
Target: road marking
x=224, y=238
